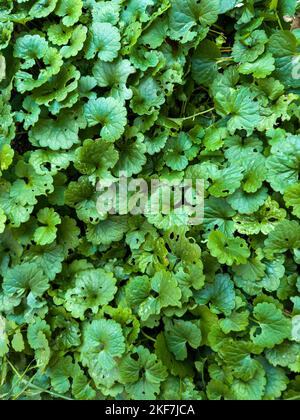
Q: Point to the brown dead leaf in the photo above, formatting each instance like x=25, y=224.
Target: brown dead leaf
x=295, y=23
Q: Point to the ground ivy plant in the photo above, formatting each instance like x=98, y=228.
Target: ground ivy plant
x=134, y=307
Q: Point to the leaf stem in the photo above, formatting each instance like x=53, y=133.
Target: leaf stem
x=192, y=116
x=279, y=21
x=54, y=394
x=30, y=385
x=158, y=13
x=148, y=337
x=224, y=59
x=297, y=397
x=254, y=320
x=217, y=26
x=217, y=32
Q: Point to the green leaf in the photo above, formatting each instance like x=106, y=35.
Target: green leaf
x=142, y=375
x=56, y=134
x=24, y=278
x=263, y=221
x=46, y=235
x=69, y=10
x=147, y=97
x=81, y=388
x=162, y=283
x=276, y=381
x=109, y=113
x=252, y=390
x=248, y=203
x=227, y=5
x=283, y=355
x=292, y=198
x=60, y=373
x=181, y=369
x=2, y=68
x=114, y=76
x=285, y=236
x=30, y=48
x=6, y=29
x=58, y=87
x=29, y=184
x=59, y=34
x=104, y=40
x=214, y=138
x=224, y=181
x=238, y=356
x=288, y=7
x=283, y=166
x=95, y=157
x=108, y=231
x=240, y=107
x=178, y=334
x=261, y=68
x=177, y=152
x=4, y=342
x=76, y=42
x=30, y=113
x=50, y=162
x=106, y=12
x=205, y=62
x=132, y=156
x=228, y=250
x=283, y=45
x=220, y=293
x=37, y=335
x=6, y=157
x=248, y=276
x=218, y=213
x=18, y=342
x=237, y=321
x=2, y=220
x=49, y=257
x=93, y=289
x=273, y=328
x=217, y=390
x=249, y=47
x=238, y=148
x=274, y=272
x=185, y=15
x=103, y=341
x=137, y=9
x=42, y=8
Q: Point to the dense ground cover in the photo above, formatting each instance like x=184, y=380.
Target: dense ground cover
x=133, y=307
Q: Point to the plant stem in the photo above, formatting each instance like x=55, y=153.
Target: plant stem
x=253, y=320
x=28, y=384
x=279, y=21
x=54, y=394
x=159, y=13
x=148, y=337
x=224, y=59
x=192, y=116
x=217, y=26
x=217, y=32
x=293, y=398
